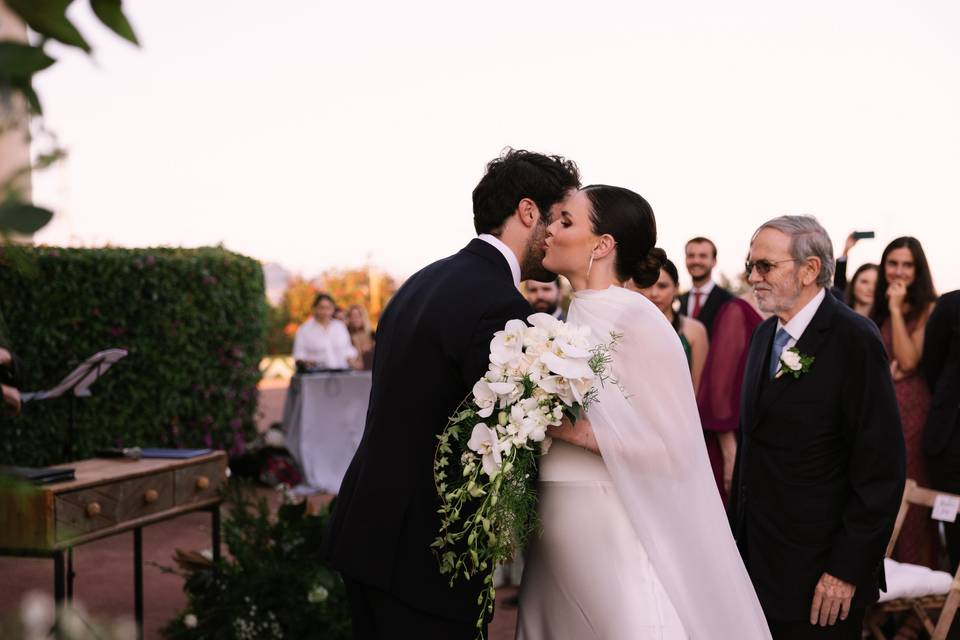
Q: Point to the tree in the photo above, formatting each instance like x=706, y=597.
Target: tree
x=19, y=63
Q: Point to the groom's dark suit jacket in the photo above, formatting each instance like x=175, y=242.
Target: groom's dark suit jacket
x=820, y=467
x=433, y=344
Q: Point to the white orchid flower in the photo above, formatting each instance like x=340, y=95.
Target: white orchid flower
x=573, y=368
x=507, y=345
x=484, y=441
x=558, y=386
x=484, y=397
x=546, y=322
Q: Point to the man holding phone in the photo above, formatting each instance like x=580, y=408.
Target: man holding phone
x=840, y=275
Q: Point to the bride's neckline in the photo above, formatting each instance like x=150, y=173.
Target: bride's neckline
x=582, y=293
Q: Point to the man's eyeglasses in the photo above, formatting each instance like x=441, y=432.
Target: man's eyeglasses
x=763, y=267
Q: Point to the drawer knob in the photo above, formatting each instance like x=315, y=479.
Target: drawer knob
x=151, y=496
x=203, y=482
x=93, y=509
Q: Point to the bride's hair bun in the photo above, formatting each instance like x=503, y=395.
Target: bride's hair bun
x=647, y=271
x=627, y=217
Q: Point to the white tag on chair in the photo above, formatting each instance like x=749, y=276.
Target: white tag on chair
x=945, y=508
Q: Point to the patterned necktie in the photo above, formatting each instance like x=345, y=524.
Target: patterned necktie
x=779, y=342
x=696, y=304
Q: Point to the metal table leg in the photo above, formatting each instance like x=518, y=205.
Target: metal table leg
x=70, y=575
x=215, y=531
x=58, y=577
x=138, y=580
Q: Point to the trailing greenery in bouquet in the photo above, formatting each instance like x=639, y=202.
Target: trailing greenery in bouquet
x=486, y=460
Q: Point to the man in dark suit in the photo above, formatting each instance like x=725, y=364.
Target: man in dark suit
x=545, y=297
x=820, y=467
x=433, y=344
x=941, y=364
x=706, y=297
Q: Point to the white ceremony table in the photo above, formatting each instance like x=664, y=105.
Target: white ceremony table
x=323, y=417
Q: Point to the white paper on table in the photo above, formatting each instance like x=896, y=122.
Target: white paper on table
x=945, y=508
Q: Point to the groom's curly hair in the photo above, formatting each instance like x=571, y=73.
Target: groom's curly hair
x=519, y=174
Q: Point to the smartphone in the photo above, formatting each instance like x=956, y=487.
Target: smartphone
x=860, y=235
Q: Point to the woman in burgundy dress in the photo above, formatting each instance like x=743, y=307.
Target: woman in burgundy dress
x=902, y=303
x=718, y=396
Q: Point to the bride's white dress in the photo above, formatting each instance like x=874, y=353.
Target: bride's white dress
x=635, y=543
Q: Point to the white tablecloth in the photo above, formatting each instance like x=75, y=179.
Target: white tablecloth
x=323, y=417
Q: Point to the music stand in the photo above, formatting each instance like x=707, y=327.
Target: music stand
x=77, y=385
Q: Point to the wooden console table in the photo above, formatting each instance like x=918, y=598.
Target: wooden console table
x=107, y=497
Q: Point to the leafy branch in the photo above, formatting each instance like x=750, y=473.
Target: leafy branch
x=20, y=62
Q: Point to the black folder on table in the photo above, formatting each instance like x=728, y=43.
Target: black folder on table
x=38, y=475
x=178, y=454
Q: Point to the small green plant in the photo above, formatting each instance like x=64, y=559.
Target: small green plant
x=273, y=583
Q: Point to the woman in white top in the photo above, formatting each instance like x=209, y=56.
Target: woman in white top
x=323, y=342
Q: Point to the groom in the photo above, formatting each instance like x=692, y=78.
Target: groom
x=820, y=466
x=433, y=344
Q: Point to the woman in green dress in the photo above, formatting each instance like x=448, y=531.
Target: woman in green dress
x=693, y=335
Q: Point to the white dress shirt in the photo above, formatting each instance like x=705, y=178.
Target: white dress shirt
x=704, y=292
x=507, y=254
x=330, y=347
x=799, y=323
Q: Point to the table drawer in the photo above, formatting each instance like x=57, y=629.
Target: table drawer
x=100, y=507
x=199, y=482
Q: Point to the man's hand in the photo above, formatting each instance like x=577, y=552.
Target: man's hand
x=5, y=357
x=11, y=398
x=831, y=598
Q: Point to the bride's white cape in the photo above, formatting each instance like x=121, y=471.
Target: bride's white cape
x=648, y=430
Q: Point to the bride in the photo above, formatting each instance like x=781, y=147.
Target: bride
x=635, y=542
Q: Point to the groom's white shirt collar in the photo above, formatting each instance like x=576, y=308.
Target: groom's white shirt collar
x=799, y=323
x=507, y=254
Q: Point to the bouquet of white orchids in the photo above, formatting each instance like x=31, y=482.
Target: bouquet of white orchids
x=485, y=464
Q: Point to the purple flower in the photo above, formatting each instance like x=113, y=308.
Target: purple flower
x=239, y=446
x=116, y=332
x=151, y=261
x=207, y=440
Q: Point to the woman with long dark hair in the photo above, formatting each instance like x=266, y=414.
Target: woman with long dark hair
x=863, y=285
x=635, y=543
x=902, y=302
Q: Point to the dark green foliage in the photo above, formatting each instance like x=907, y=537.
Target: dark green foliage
x=274, y=564
x=192, y=319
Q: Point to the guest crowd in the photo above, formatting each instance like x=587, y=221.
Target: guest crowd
x=920, y=332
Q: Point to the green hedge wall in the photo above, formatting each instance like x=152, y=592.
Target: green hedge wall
x=193, y=321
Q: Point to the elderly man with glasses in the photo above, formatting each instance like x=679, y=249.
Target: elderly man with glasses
x=820, y=466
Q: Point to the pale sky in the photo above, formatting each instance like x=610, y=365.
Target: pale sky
x=319, y=134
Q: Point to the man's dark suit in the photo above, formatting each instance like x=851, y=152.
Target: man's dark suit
x=709, y=307
x=941, y=364
x=820, y=466
x=433, y=344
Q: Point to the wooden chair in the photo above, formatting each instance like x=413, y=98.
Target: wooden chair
x=946, y=603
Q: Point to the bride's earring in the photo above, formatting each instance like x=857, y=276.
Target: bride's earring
x=590, y=265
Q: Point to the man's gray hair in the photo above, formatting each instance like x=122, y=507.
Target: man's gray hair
x=808, y=239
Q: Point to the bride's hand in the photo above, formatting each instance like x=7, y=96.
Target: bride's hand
x=579, y=434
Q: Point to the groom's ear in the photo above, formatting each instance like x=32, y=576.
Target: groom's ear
x=528, y=212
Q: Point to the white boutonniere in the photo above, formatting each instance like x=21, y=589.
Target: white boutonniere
x=794, y=363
